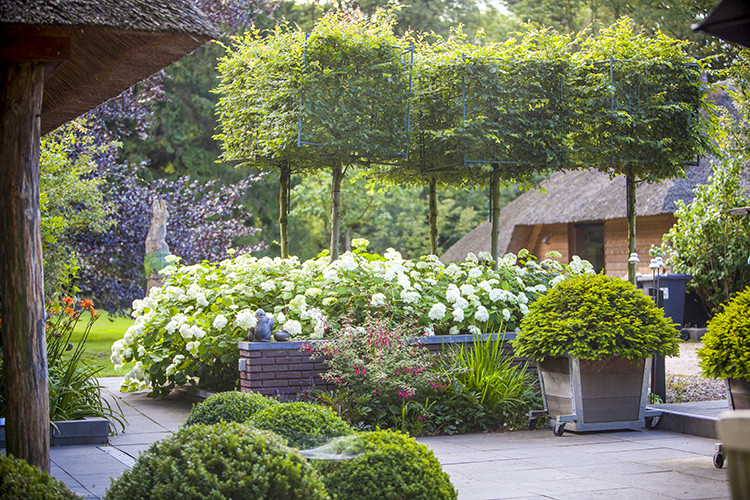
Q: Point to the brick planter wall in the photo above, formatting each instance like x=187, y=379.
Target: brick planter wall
x=283, y=368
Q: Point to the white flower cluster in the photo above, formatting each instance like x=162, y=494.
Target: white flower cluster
x=203, y=309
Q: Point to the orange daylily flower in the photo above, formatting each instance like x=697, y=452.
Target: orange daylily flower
x=85, y=303
x=68, y=300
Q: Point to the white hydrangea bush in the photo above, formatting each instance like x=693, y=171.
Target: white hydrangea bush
x=187, y=331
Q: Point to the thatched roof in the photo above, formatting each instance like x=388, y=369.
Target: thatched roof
x=582, y=196
x=112, y=45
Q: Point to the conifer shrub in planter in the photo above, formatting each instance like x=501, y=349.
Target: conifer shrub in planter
x=224, y=460
x=304, y=425
x=230, y=406
x=386, y=465
x=726, y=349
x=21, y=480
x=592, y=336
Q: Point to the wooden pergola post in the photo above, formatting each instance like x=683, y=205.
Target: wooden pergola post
x=21, y=279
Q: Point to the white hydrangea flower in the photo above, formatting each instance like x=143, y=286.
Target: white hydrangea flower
x=220, y=321
x=292, y=327
x=268, y=286
x=452, y=270
x=524, y=309
x=347, y=262
x=458, y=315
x=171, y=259
x=556, y=280
x=377, y=300
x=429, y=331
x=453, y=330
x=198, y=332
x=467, y=289
x=485, y=256
x=475, y=272
x=313, y=292
x=482, y=315
x=474, y=330
x=522, y=298
x=362, y=243
x=506, y=314
x=281, y=317
x=186, y=331
x=461, y=303
x=245, y=319
x=410, y=297
x=403, y=281
x=192, y=347
x=141, y=351
x=452, y=293
x=471, y=257
x=201, y=300
x=171, y=369
x=393, y=255
x=437, y=311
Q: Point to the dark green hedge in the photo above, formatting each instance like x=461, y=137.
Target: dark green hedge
x=726, y=345
x=231, y=406
x=303, y=425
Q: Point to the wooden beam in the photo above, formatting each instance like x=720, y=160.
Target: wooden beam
x=26, y=43
x=21, y=280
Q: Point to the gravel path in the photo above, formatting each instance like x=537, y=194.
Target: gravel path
x=684, y=380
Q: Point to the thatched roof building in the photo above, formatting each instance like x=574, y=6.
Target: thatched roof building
x=547, y=220
x=110, y=45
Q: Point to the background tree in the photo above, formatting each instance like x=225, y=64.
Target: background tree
x=637, y=106
x=341, y=92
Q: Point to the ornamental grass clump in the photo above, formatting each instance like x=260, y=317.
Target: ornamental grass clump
x=595, y=317
x=220, y=461
x=726, y=345
x=387, y=465
x=303, y=425
x=21, y=480
x=230, y=406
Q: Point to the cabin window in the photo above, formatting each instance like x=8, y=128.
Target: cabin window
x=589, y=243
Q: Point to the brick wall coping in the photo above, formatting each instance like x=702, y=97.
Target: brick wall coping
x=297, y=344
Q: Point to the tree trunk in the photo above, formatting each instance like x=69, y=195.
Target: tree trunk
x=433, y=216
x=495, y=194
x=630, y=189
x=21, y=279
x=337, y=175
x=286, y=174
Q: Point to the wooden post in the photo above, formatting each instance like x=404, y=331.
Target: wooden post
x=630, y=192
x=433, y=216
x=284, y=178
x=495, y=194
x=337, y=175
x=21, y=279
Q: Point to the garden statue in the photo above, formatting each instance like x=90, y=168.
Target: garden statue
x=156, y=245
x=261, y=332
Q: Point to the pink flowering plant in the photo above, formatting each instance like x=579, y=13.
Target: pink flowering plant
x=385, y=369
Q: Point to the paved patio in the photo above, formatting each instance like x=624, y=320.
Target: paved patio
x=613, y=465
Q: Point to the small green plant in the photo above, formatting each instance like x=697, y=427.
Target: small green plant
x=231, y=406
x=303, y=425
x=503, y=388
x=726, y=345
x=388, y=465
x=595, y=317
x=74, y=391
x=220, y=461
x=21, y=480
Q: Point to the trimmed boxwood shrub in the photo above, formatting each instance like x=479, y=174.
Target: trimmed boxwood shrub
x=20, y=480
x=303, y=425
x=595, y=317
x=388, y=465
x=726, y=344
x=224, y=460
x=231, y=406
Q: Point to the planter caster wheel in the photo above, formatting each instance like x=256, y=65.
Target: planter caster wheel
x=719, y=459
x=533, y=423
x=652, y=422
x=559, y=429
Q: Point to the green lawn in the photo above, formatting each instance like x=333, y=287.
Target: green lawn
x=104, y=332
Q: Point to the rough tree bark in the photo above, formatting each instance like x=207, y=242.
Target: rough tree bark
x=433, y=216
x=630, y=192
x=337, y=175
x=21, y=282
x=286, y=174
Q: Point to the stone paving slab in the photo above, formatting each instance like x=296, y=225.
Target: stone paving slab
x=515, y=465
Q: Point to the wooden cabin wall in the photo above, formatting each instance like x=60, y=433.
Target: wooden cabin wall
x=649, y=230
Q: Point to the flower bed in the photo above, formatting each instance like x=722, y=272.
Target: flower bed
x=188, y=330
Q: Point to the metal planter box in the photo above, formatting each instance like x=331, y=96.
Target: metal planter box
x=738, y=393
x=594, y=395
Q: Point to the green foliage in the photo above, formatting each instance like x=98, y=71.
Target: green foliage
x=637, y=104
x=230, y=406
x=303, y=425
x=726, y=345
x=595, y=317
x=21, y=480
x=69, y=200
x=74, y=391
x=225, y=460
x=387, y=466
x=505, y=391
x=708, y=243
